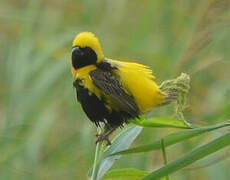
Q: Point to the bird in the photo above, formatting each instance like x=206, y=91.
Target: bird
x=111, y=91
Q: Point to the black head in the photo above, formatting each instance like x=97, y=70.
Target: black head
x=83, y=56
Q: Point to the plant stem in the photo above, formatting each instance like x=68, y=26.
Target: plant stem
x=164, y=155
x=96, y=159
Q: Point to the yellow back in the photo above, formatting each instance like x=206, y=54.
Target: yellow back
x=137, y=80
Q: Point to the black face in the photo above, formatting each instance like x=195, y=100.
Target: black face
x=83, y=57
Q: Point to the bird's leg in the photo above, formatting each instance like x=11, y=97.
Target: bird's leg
x=105, y=136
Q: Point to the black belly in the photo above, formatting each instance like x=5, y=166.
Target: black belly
x=96, y=110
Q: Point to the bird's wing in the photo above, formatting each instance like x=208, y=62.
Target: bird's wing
x=110, y=85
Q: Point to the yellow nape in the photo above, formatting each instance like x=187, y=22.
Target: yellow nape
x=138, y=81
x=88, y=39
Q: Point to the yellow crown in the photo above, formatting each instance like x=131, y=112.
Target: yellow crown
x=88, y=39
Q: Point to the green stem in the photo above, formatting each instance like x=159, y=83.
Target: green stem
x=164, y=155
x=96, y=159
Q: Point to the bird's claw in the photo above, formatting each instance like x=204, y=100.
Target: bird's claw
x=103, y=137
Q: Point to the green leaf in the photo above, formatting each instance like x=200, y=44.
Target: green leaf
x=160, y=122
x=173, y=139
x=125, y=174
x=120, y=142
x=191, y=157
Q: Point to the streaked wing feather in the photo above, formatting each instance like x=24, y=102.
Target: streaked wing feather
x=109, y=84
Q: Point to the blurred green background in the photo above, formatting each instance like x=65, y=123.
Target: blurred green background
x=44, y=133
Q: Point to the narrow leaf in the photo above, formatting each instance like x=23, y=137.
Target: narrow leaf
x=118, y=174
x=173, y=139
x=121, y=142
x=191, y=157
x=160, y=122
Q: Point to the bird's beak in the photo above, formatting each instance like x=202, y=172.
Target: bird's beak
x=77, y=51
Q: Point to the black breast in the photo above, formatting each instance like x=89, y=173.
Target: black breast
x=96, y=109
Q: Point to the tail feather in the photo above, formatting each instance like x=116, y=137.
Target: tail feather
x=170, y=97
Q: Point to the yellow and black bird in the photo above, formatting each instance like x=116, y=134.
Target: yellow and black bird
x=111, y=91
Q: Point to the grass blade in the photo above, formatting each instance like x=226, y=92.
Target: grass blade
x=191, y=157
x=173, y=139
x=128, y=174
x=160, y=122
x=121, y=142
